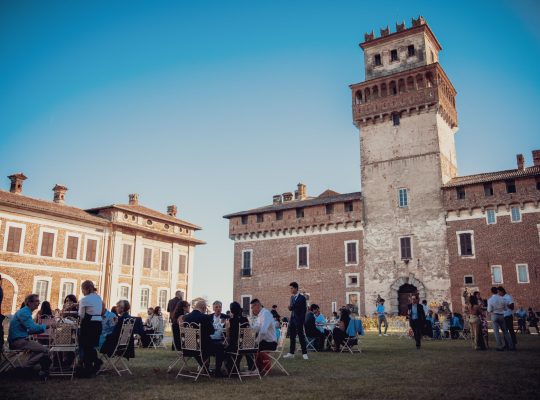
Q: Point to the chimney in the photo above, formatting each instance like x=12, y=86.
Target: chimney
x=301, y=191
x=172, y=210
x=16, y=182
x=536, y=157
x=287, y=196
x=520, y=162
x=59, y=193
x=276, y=199
x=134, y=199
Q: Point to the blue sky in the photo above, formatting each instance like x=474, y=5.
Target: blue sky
x=215, y=106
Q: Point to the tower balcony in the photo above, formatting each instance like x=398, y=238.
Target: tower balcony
x=404, y=93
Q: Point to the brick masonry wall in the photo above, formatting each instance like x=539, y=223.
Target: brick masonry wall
x=504, y=243
x=274, y=267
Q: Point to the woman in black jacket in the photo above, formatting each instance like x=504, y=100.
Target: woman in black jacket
x=232, y=328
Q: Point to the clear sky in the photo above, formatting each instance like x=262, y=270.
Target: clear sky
x=217, y=105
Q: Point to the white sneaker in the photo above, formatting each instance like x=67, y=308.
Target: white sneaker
x=288, y=355
x=386, y=334
x=305, y=357
x=380, y=334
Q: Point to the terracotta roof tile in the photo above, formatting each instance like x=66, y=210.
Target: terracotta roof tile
x=493, y=176
x=312, y=201
x=49, y=207
x=138, y=209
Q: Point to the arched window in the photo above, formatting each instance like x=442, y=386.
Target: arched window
x=375, y=91
x=420, y=81
x=410, y=83
x=367, y=94
x=393, y=88
x=401, y=85
x=384, y=90
x=358, y=97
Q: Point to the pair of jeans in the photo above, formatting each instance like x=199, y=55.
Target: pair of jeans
x=498, y=323
x=382, y=319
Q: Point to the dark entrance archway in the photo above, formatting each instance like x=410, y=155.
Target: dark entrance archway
x=404, y=294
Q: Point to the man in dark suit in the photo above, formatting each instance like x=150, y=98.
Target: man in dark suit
x=417, y=319
x=297, y=308
x=209, y=347
x=173, y=302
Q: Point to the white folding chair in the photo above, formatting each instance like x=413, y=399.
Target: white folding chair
x=248, y=347
x=310, y=344
x=275, y=355
x=156, y=338
x=191, y=348
x=117, y=359
x=10, y=358
x=62, y=340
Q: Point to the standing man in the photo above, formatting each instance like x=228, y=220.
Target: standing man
x=496, y=306
x=173, y=302
x=417, y=317
x=381, y=315
x=508, y=315
x=298, y=306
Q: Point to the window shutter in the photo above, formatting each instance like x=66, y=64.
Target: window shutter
x=91, y=247
x=47, y=241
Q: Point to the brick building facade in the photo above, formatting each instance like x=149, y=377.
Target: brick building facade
x=413, y=208
x=129, y=251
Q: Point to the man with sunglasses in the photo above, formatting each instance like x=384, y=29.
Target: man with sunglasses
x=21, y=326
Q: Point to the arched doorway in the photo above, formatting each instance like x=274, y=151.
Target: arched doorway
x=11, y=292
x=404, y=295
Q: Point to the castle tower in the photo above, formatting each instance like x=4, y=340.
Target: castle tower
x=405, y=111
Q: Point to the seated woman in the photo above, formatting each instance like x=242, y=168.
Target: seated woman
x=148, y=328
x=340, y=331
x=122, y=307
x=70, y=307
x=181, y=309
x=232, y=326
x=436, y=327
x=107, y=325
x=44, y=312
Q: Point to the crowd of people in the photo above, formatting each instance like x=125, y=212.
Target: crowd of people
x=100, y=328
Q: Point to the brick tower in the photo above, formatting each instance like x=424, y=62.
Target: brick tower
x=405, y=111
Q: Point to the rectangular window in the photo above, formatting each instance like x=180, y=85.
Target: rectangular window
x=395, y=119
x=279, y=215
x=496, y=274
x=491, y=217
x=126, y=254
x=72, y=247
x=147, y=258
x=405, y=246
x=162, y=299
x=537, y=183
x=91, y=249
x=522, y=273
x=349, y=206
x=468, y=280
x=124, y=292
x=302, y=257
x=47, y=244
x=182, y=268
x=244, y=219
x=67, y=288
x=377, y=59
x=14, y=239
x=329, y=209
x=488, y=189
x=460, y=192
x=299, y=213
x=403, y=198
x=334, y=306
x=352, y=280
x=510, y=186
x=246, y=263
x=351, y=256
x=246, y=308
x=145, y=297
x=465, y=244
x=516, y=214
x=394, y=55
x=260, y=218
x=410, y=50
x=42, y=289
x=164, y=260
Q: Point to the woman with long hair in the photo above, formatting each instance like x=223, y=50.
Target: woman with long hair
x=181, y=309
x=45, y=311
x=340, y=331
x=232, y=328
x=475, y=322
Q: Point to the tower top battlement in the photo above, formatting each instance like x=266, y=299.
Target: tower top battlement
x=418, y=24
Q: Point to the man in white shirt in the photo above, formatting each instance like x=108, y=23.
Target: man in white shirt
x=496, y=306
x=264, y=325
x=508, y=314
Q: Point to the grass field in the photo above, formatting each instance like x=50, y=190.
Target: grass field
x=388, y=368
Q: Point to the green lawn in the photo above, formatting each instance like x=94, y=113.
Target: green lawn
x=388, y=368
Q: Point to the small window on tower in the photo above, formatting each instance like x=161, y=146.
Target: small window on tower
x=468, y=279
x=410, y=50
x=244, y=219
x=260, y=217
x=537, y=183
x=394, y=55
x=460, y=192
x=349, y=206
x=510, y=186
x=488, y=189
x=377, y=59
x=395, y=119
x=279, y=215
